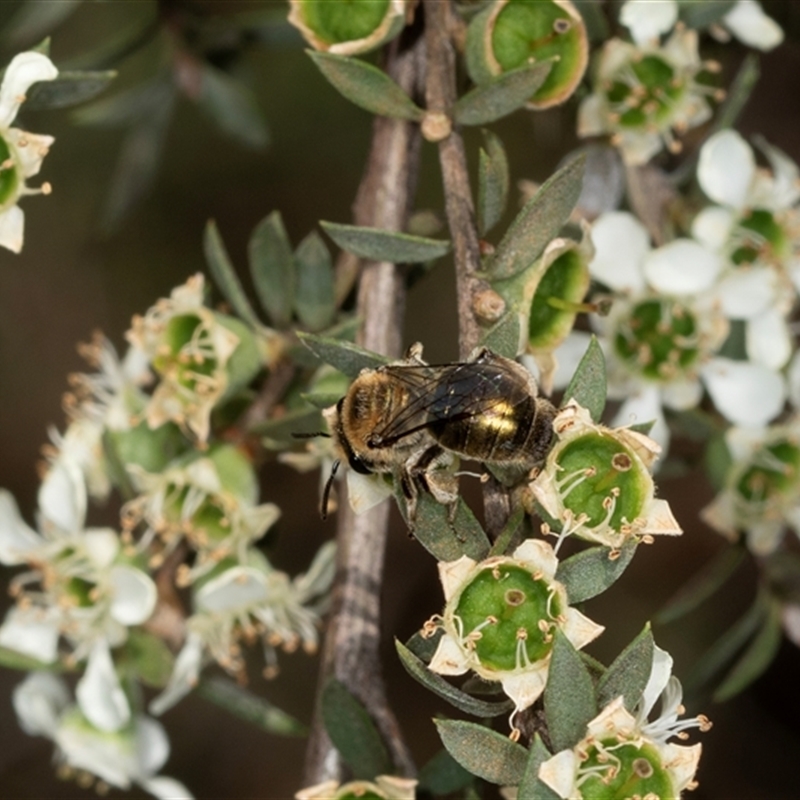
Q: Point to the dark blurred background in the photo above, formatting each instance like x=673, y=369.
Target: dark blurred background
x=74, y=277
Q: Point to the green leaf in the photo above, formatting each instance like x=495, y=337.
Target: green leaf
x=150, y=657
x=440, y=687
x=590, y=572
x=250, y=707
x=368, y=87
x=493, y=183
x=530, y=787
x=347, y=357
x=702, y=15
x=353, y=732
x=594, y=19
x=506, y=536
x=379, y=245
x=424, y=647
x=757, y=657
x=11, y=659
x=703, y=584
x=718, y=461
x=501, y=96
x=588, y=384
x=726, y=646
x=233, y=107
x=68, y=89
x=569, y=697
x=629, y=672
x=443, y=539
x=443, y=775
x=483, y=752
x=314, y=300
x=299, y=420
x=539, y=221
x=224, y=274
x=273, y=269
x=642, y=427
x=31, y=22
x=504, y=337
x=738, y=94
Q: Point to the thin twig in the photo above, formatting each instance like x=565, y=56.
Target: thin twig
x=353, y=634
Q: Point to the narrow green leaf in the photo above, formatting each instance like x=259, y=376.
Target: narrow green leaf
x=756, y=658
x=483, y=752
x=701, y=15
x=629, y=672
x=444, y=539
x=738, y=93
x=250, y=707
x=703, y=584
x=347, y=357
x=503, y=337
x=152, y=660
x=68, y=89
x=594, y=18
x=224, y=275
x=569, y=697
x=440, y=687
x=530, y=787
x=493, y=183
x=379, y=245
x=643, y=427
x=299, y=420
x=506, y=536
x=590, y=572
x=726, y=646
x=588, y=384
x=31, y=22
x=273, y=269
x=539, y=221
x=368, y=87
x=501, y=96
x=424, y=647
x=233, y=107
x=322, y=400
x=443, y=775
x=353, y=732
x=11, y=659
x=314, y=300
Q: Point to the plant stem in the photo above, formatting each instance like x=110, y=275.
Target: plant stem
x=353, y=634
x=440, y=93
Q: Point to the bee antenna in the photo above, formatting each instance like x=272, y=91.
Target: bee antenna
x=314, y=435
x=327, y=490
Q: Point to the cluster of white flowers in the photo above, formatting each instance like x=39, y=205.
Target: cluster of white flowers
x=143, y=425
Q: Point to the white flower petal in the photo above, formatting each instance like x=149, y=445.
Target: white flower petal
x=579, y=629
x=111, y=757
x=452, y=574
x=366, y=491
x=793, y=379
x=184, y=675
x=559, y=773
x=39, y=702
x=17, y=539
x=769, y=340
x=24, y=70
x=645, y=406
x=784, y=183
x=540, y=555
x=744, y=393
x=621, y=242
x=712, y=227
x=525, y=688
x=152, y=745
x=31, y=632
x=682, y=394
x=62, y=496
x=100, y=694
x=749, y=24
x=319, y=576
x=568, y=355
x=12, y=229
x=102, y=546
x=648, y=19
x=237, y=587
x=166, y=788
x=790, y=615
x=682, y=267
x=448, y=658
x=746, y=291
x=726, y=169
x=592, y=116
x=133, y=595
x=660, y=674
x=31, y=148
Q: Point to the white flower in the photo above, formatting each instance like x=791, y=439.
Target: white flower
x=21, y=153
x=627, y=753
x=647, y=20
x=756, y=228
x=132, y=753
x=664, y=329
x=530, y=601
x=646, y=93
x=86, y=590
x=249, y=602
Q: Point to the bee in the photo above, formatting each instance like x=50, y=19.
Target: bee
x=412, y=419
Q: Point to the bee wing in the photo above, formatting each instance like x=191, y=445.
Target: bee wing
x=449, y=393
